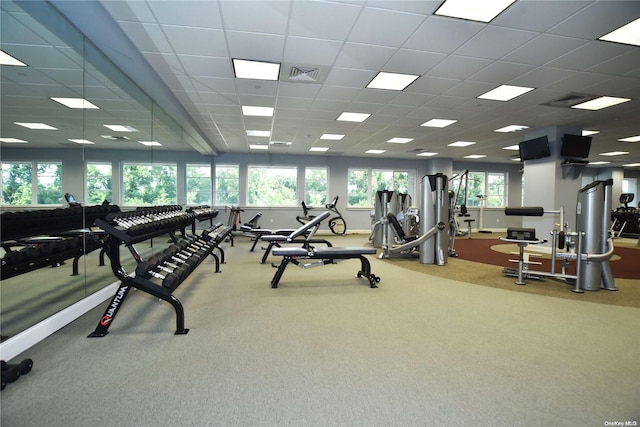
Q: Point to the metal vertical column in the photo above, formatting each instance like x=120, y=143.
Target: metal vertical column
x=589, y=213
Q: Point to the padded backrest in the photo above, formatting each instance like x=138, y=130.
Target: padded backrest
x=463, y=210
x=626, y=198
x=309, y=225
x=393, y=220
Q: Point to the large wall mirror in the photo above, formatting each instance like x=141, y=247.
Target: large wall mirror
x=73, y=123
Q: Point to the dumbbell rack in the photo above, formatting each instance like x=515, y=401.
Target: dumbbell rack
x=128, y=229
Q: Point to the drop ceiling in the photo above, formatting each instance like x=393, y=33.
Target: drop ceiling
x=338, y=47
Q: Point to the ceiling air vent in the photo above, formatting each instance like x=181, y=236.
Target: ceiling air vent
x=115, y=137
x=305, y=74
x=280, y=143
x=570, y=100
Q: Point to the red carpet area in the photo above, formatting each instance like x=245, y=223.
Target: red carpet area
x=624, y=265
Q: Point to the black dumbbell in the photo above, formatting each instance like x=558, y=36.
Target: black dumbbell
x=169, y=280
x=192, y=250
x=162, y=262
x=198, y=243
x=11, y=372
x=176, y=254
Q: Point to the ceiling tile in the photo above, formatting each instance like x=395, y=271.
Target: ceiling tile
x=494, y=42
x=268, y=17
x=458, y=67
x=196, y=41
x=357, y=55
x=203, y=14
x=332, y=21
x=536, y=16
x=413, y=61
x=589, y=54
x=598, y=18
x=443, y=35
x=543, y=49
x=384, y=27
x=260, y=47
x=311, y=51
x=500, y=72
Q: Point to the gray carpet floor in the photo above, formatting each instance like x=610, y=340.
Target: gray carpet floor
x=326, y=350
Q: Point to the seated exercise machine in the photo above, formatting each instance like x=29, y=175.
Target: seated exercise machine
x=626, y=219
x=431, y=245
x=337, y=224
x=320, y=256
x=591, y=246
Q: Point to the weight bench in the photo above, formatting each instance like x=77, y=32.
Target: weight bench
x=321, y=256
x=276, y=240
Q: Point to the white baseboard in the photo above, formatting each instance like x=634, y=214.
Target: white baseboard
x=38, y=332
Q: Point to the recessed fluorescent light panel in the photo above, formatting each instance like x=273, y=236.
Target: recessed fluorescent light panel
x=82, y=141
x=257, y=111
x=400, y=140
x=427, y=154
x=265, y=133
x=438, y=123
x=6, y=59
x=391, y=81
x=589, y=132
x=319, y=149
x=627, y=34
x=37, y=126
x=258, y=147
x=512, y=128
x=13, y=141
x=475, y=156
x=78, y=103
x=632, y=165
x=256, y=70
x=600, y=103
x=614, y=153
x=630, y=139
x=599, y=163
x=121, y=128
x=375, y=151
x=505, y=92
x=353, y=117
x=473, y=10
x=150, y=143
x=332, y=136
x=512, y=147
x=461, y=144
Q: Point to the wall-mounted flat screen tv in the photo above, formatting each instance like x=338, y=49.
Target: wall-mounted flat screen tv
x=575, y=146
x=537, y=148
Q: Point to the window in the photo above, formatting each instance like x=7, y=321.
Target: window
x=149, y=184
x=198, y=184
x=272, y=186
x=630, y=186
x=49, y=179
x=380, y=179
x=358, y=188
x=99, y=183
x=488, y=186
x=315, y=186
x=16, y=184
x=227, y=185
